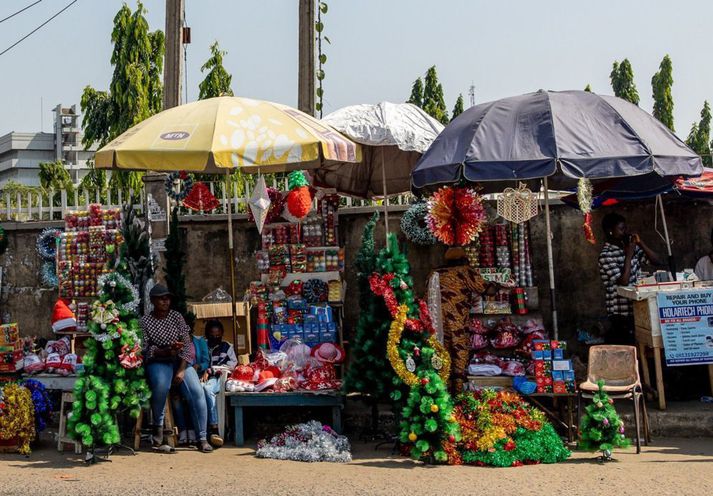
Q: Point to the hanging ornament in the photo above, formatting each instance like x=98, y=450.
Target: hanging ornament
x=260, y=203
x=436, y=362
x=299, y=199
x=277, y=204
x=410, y=364
x=200, y=199
x=584, y=198
x=178, y=185
x=455, y=215
x=47, y=243
x=517, y=205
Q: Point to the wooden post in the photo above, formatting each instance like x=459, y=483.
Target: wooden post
x=174, y=57
x=305, y=77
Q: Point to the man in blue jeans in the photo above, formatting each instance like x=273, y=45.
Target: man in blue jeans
x=167, y=353
x=222, y=356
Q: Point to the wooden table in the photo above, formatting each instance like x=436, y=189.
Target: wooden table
x=331, y=399
x=54, y=381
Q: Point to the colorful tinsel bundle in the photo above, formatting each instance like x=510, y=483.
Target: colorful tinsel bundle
x=501, y=429
x=41, y=402
x=18, y=419
x=308, y=442
x=455, y=215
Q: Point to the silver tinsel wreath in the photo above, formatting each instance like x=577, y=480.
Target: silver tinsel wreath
x=308, y=442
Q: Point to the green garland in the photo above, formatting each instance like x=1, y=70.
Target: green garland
x=413, y=225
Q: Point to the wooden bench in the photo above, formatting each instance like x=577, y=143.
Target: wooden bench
x=331, y=399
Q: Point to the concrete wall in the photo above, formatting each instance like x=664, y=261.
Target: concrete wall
x=580, y=295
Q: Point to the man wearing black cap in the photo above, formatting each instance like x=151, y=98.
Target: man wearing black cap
x=167, y=352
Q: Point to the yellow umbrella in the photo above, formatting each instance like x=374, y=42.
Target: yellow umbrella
x=228, y=132
x=219, y=134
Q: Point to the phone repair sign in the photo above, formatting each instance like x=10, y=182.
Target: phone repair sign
x=687, y=326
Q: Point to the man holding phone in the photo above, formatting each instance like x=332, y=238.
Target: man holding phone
x=167, y=353
x=620, y=263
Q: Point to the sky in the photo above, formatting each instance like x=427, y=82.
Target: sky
x=379, y=47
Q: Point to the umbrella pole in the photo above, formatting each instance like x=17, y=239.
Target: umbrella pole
x=671, y=261
x=231, y=256
x=386, y=198
x=550, y=262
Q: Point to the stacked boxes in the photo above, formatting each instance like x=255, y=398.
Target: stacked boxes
x=553, y=373
x=10, y=348
x=313, y=324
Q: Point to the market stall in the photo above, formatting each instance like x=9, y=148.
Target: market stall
x=676, y=318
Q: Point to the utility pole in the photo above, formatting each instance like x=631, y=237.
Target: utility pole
x=173, y=66
x=305, y=77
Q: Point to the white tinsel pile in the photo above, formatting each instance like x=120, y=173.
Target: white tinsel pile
x=308, y=442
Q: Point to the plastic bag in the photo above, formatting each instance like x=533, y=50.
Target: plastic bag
x=217, y=296
x=507, y=335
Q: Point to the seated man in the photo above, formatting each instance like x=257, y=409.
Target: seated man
x=222, y=356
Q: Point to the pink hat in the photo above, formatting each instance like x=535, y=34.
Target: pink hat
x=328, y=353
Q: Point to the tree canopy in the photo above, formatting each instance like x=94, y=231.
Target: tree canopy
x=217, y=81
x=661, y=84
x=458, y=107
x=622, y=81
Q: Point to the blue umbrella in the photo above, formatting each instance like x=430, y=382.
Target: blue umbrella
x=557, y=137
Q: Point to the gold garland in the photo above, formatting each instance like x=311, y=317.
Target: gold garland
x=18, y=420
x=392, y=350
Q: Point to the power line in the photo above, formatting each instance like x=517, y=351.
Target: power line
x=36, y=29
x=20, y=11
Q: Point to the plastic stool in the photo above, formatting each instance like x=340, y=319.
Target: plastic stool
x=62, y=438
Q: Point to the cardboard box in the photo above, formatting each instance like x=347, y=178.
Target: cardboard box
x=240, y=337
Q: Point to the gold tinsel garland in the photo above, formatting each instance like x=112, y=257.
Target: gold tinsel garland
x=392, y=350
x=18, y=418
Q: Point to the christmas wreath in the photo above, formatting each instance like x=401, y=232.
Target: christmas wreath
x=413, y=225
x=47, y=243
x=185, y=185
x=315, y=291
x=48, y=274
x=455, y=215
x=118, y=288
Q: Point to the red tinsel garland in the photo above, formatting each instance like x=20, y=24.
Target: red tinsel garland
x=455, y=215
x=381, y=286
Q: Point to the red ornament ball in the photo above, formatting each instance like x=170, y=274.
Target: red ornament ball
x=425, y=381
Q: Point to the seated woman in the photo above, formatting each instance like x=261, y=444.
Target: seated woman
x=200, y=362
x=167, y=353
x=222, y=355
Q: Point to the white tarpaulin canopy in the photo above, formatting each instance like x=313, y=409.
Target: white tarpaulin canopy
x=395, y=135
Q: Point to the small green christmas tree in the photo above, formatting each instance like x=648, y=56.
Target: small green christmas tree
x=106, y=387
x=427, y=428
x=369, y=372
x=600, y=428
x=175, y=278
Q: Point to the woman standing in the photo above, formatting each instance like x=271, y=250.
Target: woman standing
x=620, y=263
x=168, y=353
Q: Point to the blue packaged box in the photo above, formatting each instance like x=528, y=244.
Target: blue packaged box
x=558, y=354
x=296, y=303
x=537, y=354
x=323, y=313
x=557, y=375
x=547, y=355
x=311, y=338
x=309, y=319
x=569, y=376
x=327, y=337
x=332, y=327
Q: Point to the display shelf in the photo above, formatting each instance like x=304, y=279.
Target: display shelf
x=304, y=276
x=491, y=381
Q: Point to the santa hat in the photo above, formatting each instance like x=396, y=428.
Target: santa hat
x=62, y=317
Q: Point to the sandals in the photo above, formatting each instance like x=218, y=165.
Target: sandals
x=205, y=447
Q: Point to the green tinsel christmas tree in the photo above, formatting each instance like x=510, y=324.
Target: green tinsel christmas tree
x=427, y=427
x=370, y=371
x=105, y=387
x=600, y=428
x=175, y=278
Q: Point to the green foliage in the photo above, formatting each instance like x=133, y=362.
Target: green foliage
x=217, y=81
x=370, y=371
x=588, y=88
x=699, y=138
x=458, y=107
x=135, y=91
x=433, y=101
x=322, y=9
x=175, y=256
x=53, y=175
x=600, y=427
x=416, y=93
x=94, y=181
x=661, y=84
x=622, y=81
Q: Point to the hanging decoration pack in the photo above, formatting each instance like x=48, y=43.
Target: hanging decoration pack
x=299, y=199
x=517, y=205
x=456, y=215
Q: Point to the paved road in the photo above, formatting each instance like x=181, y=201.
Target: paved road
x=672, y=466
